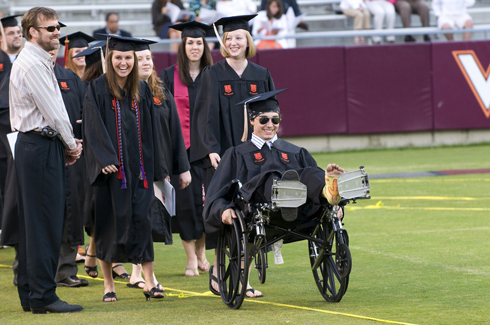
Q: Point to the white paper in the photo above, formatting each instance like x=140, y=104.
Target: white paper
x=12, y=138
x=165, y=192
x=175, y=13
x=209, y=16
x=293, y=20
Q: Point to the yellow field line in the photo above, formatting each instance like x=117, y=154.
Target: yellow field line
x=182, y=294
x=431, y=198
x=428, y=179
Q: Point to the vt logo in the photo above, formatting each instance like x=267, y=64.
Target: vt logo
x=476, y=77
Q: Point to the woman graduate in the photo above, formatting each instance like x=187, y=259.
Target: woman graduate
x=217, y=121
x=183, y=81
x=121, y=163
x=75, y=43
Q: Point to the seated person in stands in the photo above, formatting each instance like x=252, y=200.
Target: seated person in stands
x=452, y=14
x=162, y=21
x=256, y=159
x=383, y=13
x=286, y=4
x=358, y=10
x=271, y=21
x=406, y=7
x=111, y=27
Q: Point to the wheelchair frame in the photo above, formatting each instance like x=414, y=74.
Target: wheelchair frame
x=330, y=257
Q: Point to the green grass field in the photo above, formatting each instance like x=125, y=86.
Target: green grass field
x=420, y=252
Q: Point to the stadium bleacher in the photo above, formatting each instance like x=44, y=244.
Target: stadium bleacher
x=321, y=15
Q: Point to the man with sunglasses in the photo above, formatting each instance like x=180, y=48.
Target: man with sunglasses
x=254, y=163
x=45, y=144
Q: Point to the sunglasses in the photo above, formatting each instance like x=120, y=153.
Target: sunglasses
x=50, y=28
x=264, y=120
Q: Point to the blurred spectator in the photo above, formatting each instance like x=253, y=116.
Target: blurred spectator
x=286, y=4
x=161, y=20
x=195, y=6
x=236, y=7
x=406, y=7
x=111, y=27
x=271, y=21
x=452, y=14
x=358, y=10
x=383, y=11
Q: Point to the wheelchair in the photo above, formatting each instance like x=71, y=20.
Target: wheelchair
x=259, y=225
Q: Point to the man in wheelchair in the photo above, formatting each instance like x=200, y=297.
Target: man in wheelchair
x=255, y=163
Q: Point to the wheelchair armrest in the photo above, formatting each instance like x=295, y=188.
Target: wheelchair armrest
x=233, y=190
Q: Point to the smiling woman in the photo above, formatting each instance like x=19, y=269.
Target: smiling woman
x=122, y=164
x=75, y=43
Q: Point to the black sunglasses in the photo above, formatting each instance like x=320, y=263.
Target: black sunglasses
x=264, y=120
x=50, y=28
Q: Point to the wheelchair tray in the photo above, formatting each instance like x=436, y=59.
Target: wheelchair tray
x=354, y=184
x=288, y=194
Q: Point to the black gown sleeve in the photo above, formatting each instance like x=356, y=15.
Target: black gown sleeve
x=98, y=148
x=206, y=120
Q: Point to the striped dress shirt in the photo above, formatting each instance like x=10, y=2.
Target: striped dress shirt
x=35, y=97
x=259, y=142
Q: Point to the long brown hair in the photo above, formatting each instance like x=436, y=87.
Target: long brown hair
x=156, y=87
x=280, y=12
x=71, y=65
x=93, y=72
x=131, y=88
x=183, y=61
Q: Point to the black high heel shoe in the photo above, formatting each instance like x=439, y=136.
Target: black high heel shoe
x=151, y=294
x=122, y=275
x=92, y=271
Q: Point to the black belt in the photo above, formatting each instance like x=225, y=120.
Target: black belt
x=46, y=132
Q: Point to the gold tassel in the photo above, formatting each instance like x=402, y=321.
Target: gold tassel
x=219, y=39
x=245, y=123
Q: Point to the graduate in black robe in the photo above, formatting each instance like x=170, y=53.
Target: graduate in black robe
x=218, y=123
x=255, y=163
x=122, y=162
x=183, y=80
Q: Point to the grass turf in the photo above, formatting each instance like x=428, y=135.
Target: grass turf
x=419, y=250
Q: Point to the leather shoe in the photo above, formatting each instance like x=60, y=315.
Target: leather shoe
x=57, y=307
x=72, y=282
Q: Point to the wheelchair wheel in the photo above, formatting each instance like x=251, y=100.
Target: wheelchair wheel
x=261, y=265
x=232, y=265
x=329, y=279
x=343, y=260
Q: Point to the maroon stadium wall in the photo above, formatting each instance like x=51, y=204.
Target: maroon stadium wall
x=378, y=89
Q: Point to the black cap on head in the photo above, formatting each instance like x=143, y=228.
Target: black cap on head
x=122, y=43
x=234, y=22
x=77, y=39
x=10, y=21
x=143, y=44
x=61, y=24
x=93, y=53
x=262, y=103
x=192, y=29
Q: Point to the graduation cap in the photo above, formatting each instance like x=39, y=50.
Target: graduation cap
x=75, y=40
x=61, y=24
x=123, y=43
x=7, y=21
x=192, y=29
x=93, y=54
x=258, y=104
x=143, y=44
x=234, y=22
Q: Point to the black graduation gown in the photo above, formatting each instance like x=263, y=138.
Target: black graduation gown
x=9, y=221
x=121, y=216
x=189, y=223
x=217, y=120
x=5, y=66
x=245, y=162
x=73, y=92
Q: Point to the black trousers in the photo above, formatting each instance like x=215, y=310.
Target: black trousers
x=40, y=167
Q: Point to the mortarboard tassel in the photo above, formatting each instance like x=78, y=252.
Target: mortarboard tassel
x=66, y=50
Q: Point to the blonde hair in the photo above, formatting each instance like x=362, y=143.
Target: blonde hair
x=156, y=86
x=70, y=64
x=251, y=50
x=131, y=88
